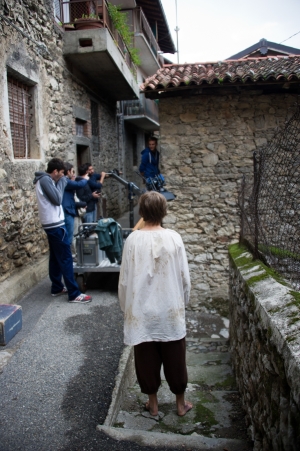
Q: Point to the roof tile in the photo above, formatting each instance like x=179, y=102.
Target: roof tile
x=278, y=68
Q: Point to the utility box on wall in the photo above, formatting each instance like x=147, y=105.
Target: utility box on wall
x=10, y=322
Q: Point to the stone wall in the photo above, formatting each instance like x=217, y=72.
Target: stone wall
x=31, y=50
x=265, y=341
x=206, y=145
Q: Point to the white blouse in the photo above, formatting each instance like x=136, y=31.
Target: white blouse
x=154, y=286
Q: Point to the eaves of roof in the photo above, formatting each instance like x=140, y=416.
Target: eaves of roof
x=263, y=46
x=254, y=71
x=155, y=14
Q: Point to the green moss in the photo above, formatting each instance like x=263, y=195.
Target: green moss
x=204, y=415
x=296, y=296
x=278, y=252
x=228, y=383
x=291, y=339
x=275, y=310
x=294, y=320
x=118, y=425
x=248, y=262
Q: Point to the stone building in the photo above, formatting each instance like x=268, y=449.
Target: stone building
x=72, y=94
x=213, y=116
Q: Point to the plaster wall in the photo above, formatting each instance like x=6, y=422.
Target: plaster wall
x=207, y=142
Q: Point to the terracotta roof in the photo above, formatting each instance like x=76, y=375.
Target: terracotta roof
x=225, y=73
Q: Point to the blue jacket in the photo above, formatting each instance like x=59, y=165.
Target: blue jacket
x=93, y=184
x=149, y=163
x=68, y=201
x=85, y=194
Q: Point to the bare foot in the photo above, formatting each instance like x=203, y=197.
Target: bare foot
x=153, y=412
x=183, y=409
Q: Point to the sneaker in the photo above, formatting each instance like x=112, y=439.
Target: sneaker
x=63, y=291
x=82, y=299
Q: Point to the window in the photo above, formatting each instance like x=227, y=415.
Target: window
x=20, y=116
x=81, y=127
x=57, y=11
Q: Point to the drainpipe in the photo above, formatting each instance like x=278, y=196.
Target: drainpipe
x=121, y=151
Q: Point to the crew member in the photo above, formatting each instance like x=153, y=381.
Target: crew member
x=149, y=166
x=87, y=195
x=49, y=187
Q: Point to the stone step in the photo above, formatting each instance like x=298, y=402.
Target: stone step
x=216, y=420
x=158, y=439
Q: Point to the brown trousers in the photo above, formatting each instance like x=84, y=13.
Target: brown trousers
x=149, y=357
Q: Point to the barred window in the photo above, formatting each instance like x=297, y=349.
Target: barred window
x=19, y=102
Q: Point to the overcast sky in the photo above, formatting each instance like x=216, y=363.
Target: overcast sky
x=214, y=30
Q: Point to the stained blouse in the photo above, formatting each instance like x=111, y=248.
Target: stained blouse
x=154, y=286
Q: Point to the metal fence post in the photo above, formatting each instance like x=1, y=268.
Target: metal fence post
x=255, y=191
x=242, y=206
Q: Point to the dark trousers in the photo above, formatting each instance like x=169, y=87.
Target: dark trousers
x=149, y=357
x=61, y=262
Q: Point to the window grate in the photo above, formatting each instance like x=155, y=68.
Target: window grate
x=19, y=100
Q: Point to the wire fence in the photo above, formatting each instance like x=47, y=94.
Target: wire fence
x=270, y=202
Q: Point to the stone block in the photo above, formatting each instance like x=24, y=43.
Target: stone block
x=210, y=160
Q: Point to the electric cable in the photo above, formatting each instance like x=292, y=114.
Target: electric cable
x=289, y=37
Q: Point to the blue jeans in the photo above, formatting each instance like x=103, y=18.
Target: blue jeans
x=89, y=217
x=61, y=262
x=69, y=224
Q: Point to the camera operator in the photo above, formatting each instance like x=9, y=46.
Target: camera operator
x=68, y=201
x=93, y=177
x=149, y=166
x=86, y=194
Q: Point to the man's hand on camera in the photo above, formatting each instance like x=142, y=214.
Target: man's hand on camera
x=96, y=195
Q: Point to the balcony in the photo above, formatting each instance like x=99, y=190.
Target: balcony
x=145, y=41
x=99, y=54
x=142, y=113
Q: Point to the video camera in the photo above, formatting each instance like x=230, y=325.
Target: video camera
x=155, y=183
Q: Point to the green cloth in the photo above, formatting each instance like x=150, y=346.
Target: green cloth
x=110, y=238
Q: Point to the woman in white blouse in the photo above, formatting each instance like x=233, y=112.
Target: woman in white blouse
x=154, y=288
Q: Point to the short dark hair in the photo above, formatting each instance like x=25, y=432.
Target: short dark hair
x=153, y=138
x=68, y=167
x=82, y=170
x=152, y=207
x=55, y=163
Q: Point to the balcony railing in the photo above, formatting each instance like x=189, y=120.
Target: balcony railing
x=142, y=107
x=71, y=10
x=141, y=25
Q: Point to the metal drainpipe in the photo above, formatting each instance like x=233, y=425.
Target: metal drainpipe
x=121, y=152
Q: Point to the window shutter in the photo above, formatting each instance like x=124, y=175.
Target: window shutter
x=19, y=114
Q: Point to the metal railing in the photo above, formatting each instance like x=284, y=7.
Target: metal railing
x=141, y=107
x=270, y=203
x=141, y=25
x=71, y=10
